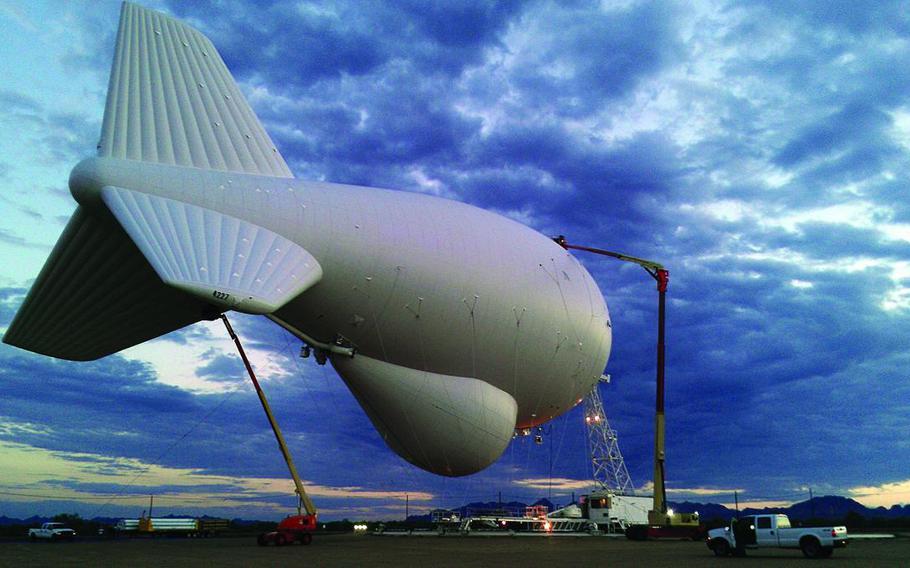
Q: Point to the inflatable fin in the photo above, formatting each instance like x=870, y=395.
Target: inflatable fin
x=96, y=295
x=172, y=100
x=217, y=258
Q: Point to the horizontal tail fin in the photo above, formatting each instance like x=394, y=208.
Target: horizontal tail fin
x=223, y=260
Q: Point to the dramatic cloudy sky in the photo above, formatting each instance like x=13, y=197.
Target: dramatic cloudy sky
x=758, y=149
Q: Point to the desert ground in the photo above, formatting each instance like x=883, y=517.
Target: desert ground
x=428, y=551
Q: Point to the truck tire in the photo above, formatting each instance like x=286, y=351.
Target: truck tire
x=32, y=537
x=811, y=547
x=637, y=532
x=720, y=547
x=306, y=538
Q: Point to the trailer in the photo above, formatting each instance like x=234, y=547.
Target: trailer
x=175, y=526
x=525, y=525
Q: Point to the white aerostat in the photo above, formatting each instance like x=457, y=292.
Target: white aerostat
x=452, y=326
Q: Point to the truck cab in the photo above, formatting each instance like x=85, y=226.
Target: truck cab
x=768, y=530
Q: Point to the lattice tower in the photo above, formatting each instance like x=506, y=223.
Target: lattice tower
x=610, y=473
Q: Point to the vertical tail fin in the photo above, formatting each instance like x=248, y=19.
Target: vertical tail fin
x=172, y=100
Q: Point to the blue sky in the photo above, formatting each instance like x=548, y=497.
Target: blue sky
x=758, y=149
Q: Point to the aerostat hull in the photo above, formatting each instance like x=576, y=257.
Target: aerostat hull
x=464, y=324
x=409, y=279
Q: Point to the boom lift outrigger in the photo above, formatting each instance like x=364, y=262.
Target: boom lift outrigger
x=662, y=522
x=294, y=528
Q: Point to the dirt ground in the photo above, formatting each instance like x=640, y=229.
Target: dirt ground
x=425, y=551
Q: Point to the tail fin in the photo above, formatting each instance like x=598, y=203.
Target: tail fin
x=97, y=295
x=171, y=100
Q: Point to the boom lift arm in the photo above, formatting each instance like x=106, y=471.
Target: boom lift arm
x=304, y=501
x=658, y=515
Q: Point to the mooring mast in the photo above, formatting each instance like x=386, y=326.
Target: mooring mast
x=610, y=472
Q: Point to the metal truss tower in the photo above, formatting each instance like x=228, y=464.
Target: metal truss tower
x=610, y=473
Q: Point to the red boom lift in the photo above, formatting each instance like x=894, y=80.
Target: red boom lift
x=295, y=528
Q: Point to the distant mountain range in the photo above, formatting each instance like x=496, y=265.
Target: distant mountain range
x=828, y=507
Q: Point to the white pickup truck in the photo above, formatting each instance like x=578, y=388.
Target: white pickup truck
x=774, y=531
x=52, y=531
